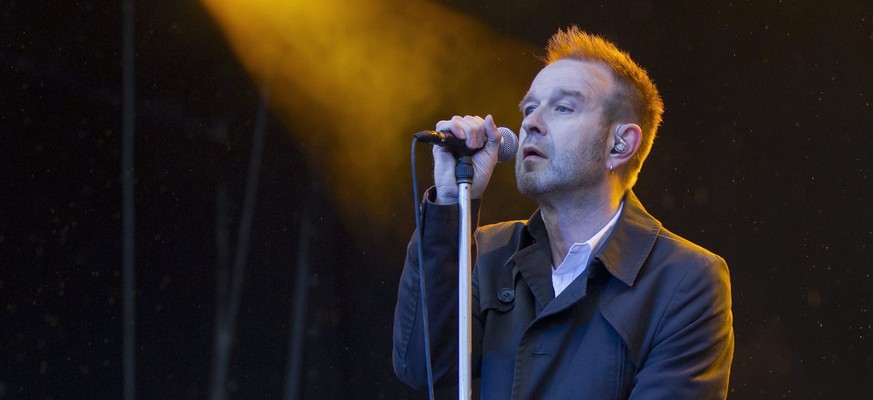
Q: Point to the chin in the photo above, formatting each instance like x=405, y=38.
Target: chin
x=529, y=185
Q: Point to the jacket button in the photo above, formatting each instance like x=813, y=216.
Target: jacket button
x=506, y=295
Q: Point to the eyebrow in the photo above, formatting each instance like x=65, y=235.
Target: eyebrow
x=561, y=93
x=525, y=99
x=571, y=93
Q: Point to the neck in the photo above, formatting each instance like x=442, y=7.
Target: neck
x=576, y=218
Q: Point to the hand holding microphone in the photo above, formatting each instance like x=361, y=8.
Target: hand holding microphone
x=506, y=152
x=469, y=135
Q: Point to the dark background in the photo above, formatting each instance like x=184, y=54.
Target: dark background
x=767, y=163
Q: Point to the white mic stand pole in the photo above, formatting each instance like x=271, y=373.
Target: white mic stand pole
x=464, y=177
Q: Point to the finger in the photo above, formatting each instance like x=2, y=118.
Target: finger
x=451, y=126
x=491, y=129
x=464, y=125
x=481, y=135
x=475, y=135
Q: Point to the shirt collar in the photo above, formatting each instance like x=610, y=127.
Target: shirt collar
x=589, y=245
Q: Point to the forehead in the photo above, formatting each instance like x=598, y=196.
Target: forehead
x=590, y=78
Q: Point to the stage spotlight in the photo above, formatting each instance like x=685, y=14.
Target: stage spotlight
x=354, y=79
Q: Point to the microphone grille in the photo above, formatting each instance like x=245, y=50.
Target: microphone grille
x=508, y=145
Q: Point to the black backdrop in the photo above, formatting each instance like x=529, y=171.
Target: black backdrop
x=771, y=171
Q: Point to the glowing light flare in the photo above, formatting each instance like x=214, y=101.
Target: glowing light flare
x=353, y=79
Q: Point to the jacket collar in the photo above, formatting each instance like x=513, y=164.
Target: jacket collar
x=631, y=241
x=622, y=252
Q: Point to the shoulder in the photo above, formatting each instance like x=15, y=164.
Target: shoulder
x=683, y=258
x=499, y=235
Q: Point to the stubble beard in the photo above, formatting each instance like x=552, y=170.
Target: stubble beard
x=566, y=172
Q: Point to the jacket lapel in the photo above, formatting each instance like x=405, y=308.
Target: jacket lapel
x=623, y=255
x=533, y=261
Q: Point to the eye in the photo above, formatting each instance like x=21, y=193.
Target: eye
x=527, y=110
x=563, y=109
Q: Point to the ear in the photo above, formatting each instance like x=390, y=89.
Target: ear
x=628, y=134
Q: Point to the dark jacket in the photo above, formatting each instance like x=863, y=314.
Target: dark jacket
x=650, y=318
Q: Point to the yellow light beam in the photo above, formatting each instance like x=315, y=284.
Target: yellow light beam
x=354, y=79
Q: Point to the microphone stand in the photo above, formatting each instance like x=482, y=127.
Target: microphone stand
x=464, y=177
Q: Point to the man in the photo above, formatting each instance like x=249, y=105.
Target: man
x=591, y=298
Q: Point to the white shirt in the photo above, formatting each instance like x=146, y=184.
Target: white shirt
x=578, y=257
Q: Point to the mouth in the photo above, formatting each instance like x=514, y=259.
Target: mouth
x=530, y=151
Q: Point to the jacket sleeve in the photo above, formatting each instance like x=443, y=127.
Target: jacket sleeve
x=440, y=254
x=693, y=346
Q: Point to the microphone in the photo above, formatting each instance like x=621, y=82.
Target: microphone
x=508, y=143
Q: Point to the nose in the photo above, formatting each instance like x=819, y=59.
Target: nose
x=532, y=124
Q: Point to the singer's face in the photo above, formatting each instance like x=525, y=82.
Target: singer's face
x=563, y=135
